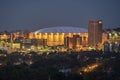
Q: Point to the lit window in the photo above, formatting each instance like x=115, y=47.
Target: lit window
x=100, y=22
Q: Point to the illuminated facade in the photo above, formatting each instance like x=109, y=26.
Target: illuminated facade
x=54, y=39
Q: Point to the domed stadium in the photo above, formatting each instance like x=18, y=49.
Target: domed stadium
x=62, y=29
x=56, y=35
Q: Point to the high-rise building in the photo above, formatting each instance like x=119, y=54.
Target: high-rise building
x=94, y=33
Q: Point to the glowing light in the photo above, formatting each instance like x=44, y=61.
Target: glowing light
x=100, y=22
x=116, y=34
x=90, y=68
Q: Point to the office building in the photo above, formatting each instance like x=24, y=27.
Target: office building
x=94, y=33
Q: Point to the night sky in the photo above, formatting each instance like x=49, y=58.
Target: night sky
x=37, y=14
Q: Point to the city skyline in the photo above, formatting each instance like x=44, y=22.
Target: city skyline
x=37, y=14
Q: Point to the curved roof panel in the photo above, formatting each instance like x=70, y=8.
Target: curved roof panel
x=62, y=29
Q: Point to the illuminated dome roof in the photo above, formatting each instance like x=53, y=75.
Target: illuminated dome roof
x=62, y=29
